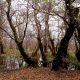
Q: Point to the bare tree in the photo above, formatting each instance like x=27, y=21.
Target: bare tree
x=72, y=23
x=38, y=25
x=1, y=32
x=49, y=42
x=19, y=41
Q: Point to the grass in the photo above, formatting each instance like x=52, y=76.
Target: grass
x=49, y=56
x=12, y=52
x=71, y=59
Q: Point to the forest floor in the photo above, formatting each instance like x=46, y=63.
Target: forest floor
x=39, y=74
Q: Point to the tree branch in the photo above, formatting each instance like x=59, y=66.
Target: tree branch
x=26, y=22
x=51, y=14
x=7, y=33
x=10, y=21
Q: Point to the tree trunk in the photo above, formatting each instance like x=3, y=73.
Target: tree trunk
x=1, y=45
x=26, y=58
x=47, y=36
x=38, y=25
x=72, y=14
x=78, y=38
x=52, y=47
x=34, y=54
x=62, y=50
x=42, y=52
x=1, y=48
x=78, y=31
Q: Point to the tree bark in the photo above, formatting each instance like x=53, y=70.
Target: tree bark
x=38, y=25
x=62, y=50
x=78, y=38
x=25, y=57
x=1, y=46
x=52, y=47
x=42, y=52
x=72, y=14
